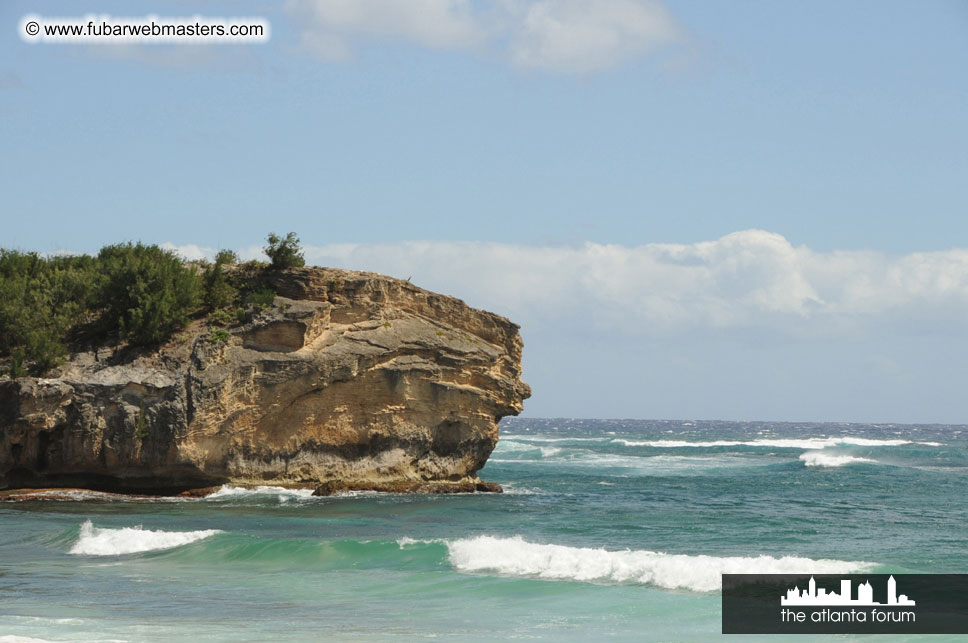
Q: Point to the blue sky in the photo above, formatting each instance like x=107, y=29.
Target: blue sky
x=522, y=143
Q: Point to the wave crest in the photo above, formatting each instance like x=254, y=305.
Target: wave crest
x=517, y=557
x=820, y=459
x=782, y=443
x=97, y=541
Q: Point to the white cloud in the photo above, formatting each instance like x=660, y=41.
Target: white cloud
x=575, y=36
x=189, y=251
x=331, y=25
x=751, y=279
x=748, y=279
x=566, y=36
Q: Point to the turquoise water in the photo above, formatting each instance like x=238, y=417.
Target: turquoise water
x=613, y=530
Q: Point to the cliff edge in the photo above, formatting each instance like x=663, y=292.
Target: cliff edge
x=347, y=380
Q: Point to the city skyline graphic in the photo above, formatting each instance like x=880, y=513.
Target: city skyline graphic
x=813, y=595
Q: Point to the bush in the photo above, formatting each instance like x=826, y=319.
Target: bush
x=40, y=300
x=136, y=292
x=219, y=293
x=17, y=364
x=284, y=253
x=149, y=292
x=222, y=317
x=261, y=298
x=141, y=425
x=226, y=256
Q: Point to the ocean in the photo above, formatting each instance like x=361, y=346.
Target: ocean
x=608, y=530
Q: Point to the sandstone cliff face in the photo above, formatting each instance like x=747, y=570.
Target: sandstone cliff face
x=349, y=380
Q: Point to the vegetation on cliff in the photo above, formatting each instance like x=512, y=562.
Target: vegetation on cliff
x=131, y=292
x=284, y=253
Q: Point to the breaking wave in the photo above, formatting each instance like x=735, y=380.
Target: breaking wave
x=515, y=556
x=541, y=438
x=97, y=541
x=783, y=443
x=820, y=459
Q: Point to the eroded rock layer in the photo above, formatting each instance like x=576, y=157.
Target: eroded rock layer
x=350, y=380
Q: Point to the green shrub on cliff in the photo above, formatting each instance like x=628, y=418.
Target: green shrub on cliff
x=284, y=253
x=148, y=292
x=219, y=291
x=226, y=256
x=129, y=291
x=260, y=298
x=41, y=299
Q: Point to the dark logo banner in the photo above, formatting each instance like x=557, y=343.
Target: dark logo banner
x=850, y=604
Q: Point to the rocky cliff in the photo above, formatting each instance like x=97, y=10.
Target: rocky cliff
x=349, y=380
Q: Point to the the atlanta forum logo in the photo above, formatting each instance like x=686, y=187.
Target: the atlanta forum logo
x=836, y=604
x=868, y=603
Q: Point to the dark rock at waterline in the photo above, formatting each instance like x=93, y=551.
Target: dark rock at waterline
x=333, y=487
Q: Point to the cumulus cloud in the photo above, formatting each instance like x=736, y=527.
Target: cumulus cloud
x=577, y=36
x=189, y=251
x=748, y=279
x=566, y=36
x=751, y=279
x=331, y=25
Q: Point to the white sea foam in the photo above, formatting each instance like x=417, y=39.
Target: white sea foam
x=513, y=445
x=513, y=490
x=43, y=620
x=284, y=494
x=517, y=557
x=784, y=443
x=651, y=465
x=95, y=541
x=541, y=438
x=407, y=541
x=820, y=459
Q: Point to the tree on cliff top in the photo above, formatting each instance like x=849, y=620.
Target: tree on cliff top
x=284, y=253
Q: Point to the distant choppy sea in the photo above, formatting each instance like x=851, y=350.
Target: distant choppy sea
x=609, y=529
